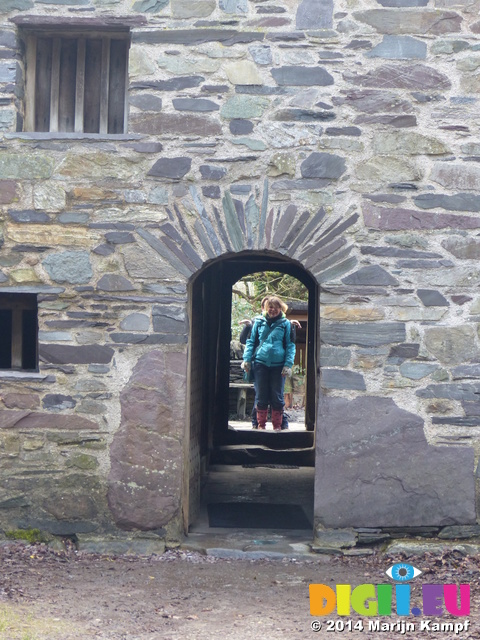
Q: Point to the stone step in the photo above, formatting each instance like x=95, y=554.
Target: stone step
x=269, y=438
x=258, y=454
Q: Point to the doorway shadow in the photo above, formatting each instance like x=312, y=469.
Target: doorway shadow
x=229, y=465
x=286, y=488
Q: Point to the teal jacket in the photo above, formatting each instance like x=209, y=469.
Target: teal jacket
x=277, y=349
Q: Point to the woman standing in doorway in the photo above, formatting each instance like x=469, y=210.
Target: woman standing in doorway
x=270, y=352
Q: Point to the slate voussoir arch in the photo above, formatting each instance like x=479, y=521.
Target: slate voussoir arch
x=313, y=239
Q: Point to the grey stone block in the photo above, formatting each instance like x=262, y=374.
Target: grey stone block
x=150, y=6
x=31, y=217
x=452, y=345
x=169, y=319
x=342, y=379
x=69, y=266
x=135, y=322
x=371, y=458
x=145, y=480
x=373, y=275
x=343, y=131
x=366, y=334
x=209, y=172
x=395, y=252
x=399, y=48
x=240, y=189
x=59, y=527
x=262, y=54
x=432, y=298
x=84, y=354
x=172, y=84
x=233, y=6
x=458, y=421
x=119, y=237
x=212, y=192
x=146, y=102
x=466, y=371
x=114, y=282
x=302, y=76
x=302, y=115
x=403, y=3
x=239, y=126
x=73, y=217
x=228, y=37
x=458, y=532
x=463, y=248
x=463, y=392
x=334, y=356
x=417, y=370
x=174, y=168
x=323, y=165
x=195, y=104
x=104, y=250
x=314, y=14
x=457, y=202
x=58, y=402
x=335, y=538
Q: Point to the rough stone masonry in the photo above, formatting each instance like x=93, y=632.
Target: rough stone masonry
x=342, y=135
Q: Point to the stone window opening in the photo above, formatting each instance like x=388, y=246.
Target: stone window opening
x=76, y=81
x=19, y=332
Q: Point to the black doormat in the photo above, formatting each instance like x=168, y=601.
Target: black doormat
x=248, y=515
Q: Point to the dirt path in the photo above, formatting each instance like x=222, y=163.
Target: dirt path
x=47, y=595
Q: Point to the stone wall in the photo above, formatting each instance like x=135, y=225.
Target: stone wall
x=341, y=134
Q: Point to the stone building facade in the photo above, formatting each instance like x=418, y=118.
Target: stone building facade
x=337, y=140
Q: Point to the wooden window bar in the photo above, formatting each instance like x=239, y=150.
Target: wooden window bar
x=76, y=83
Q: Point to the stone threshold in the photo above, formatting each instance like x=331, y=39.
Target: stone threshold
x=89, y=137
x=420, y=540
x=22, y=375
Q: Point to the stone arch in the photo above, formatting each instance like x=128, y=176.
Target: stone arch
x=196, y=234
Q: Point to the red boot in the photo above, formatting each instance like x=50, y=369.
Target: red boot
x=277, y=417
x=262, y=417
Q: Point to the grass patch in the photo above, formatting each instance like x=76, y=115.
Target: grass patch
x=18, y=623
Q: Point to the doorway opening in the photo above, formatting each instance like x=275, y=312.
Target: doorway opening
x=248, y=296
x=231, y=469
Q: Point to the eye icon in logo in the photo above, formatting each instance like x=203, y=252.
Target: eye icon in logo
x=402, y=572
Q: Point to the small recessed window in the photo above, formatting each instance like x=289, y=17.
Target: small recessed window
x=76, y=82
x=18, y=332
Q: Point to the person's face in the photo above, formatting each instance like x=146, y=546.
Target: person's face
x=273, y=311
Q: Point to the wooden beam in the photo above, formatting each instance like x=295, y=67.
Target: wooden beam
x=104, y=83
x=16, y=337
x=127, y=79
x=55, y=86
x=80, y=86
x=30, y=78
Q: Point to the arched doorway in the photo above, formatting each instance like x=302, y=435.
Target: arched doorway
x=210, y=294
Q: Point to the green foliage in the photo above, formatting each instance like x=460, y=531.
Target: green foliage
x=242, y=309
x=249, y=291
x=29, y=535
x=256, y=286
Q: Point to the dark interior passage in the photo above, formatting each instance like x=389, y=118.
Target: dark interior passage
x=213, y=444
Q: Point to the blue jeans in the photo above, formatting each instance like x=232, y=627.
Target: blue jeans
x=269, y=386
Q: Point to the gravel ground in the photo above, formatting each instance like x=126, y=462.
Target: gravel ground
x=51, y=595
